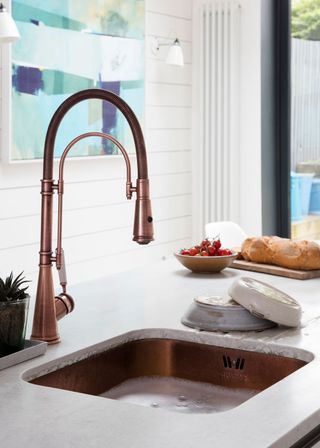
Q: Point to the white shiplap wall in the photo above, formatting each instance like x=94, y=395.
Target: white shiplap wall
x=98, y=219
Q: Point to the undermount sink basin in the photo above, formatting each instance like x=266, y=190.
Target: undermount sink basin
x=172, y=374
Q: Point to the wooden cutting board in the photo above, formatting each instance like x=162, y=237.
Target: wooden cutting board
x=274, y=270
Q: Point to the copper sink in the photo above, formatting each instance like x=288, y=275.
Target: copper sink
x=231, y=371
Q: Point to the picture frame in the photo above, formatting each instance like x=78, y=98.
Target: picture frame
x=125, y=55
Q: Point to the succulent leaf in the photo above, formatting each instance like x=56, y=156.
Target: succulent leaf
x=11, y=290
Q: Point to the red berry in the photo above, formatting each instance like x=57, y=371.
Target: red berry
x=193, y=251
x=211, y=250
x=185, y=252
x=204, y=253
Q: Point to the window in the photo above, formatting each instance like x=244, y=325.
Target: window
x=305, y=120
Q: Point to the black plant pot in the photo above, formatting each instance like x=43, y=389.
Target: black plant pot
x=13, y=323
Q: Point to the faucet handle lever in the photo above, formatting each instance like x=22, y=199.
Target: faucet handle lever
x=61, y=267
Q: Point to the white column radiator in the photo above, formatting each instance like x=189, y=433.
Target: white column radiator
x=216, y=76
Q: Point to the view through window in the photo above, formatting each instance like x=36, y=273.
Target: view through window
x=305, y=119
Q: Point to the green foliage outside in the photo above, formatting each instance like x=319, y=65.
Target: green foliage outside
x=306, y=19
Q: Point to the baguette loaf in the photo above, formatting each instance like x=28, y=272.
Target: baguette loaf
x=303, y=255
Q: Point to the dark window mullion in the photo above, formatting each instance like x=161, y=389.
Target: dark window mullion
x=282, y=54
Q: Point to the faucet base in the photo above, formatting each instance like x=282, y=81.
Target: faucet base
x=49, y=342
x=45, y=326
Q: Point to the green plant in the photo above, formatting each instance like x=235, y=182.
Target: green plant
x=14, y=303
x=306, y=19
x=11, y=289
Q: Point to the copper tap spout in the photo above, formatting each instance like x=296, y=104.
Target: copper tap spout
x=48, y=308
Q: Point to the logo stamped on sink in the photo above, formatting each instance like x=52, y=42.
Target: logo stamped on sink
x=229, y=363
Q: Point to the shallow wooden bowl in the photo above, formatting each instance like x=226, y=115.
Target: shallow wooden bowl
x=206, y=264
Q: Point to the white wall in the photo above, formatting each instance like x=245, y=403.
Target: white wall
x=98, y=219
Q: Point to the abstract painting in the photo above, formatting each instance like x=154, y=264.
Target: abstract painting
x=67, y=46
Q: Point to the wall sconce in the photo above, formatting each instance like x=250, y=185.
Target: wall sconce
x=8, y=29
x=175, y=54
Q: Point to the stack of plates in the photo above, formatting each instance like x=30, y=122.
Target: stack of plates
x=252, y=305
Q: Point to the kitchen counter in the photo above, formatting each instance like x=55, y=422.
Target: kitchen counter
x=153, y=300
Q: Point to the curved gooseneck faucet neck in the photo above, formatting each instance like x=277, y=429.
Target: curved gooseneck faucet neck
x=49, y=308
x=88, y=94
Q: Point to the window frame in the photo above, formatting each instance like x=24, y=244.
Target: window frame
x=283, y=114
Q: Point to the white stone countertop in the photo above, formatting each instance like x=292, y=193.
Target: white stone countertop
x=151, y=301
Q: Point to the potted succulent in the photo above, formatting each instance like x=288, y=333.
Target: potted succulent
x=14, y=304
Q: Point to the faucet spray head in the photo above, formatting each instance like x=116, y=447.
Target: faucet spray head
x=143, y=220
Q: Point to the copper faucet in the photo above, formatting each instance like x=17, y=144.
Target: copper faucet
x=49, y=309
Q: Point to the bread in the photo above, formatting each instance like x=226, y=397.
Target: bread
x=302, y=255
